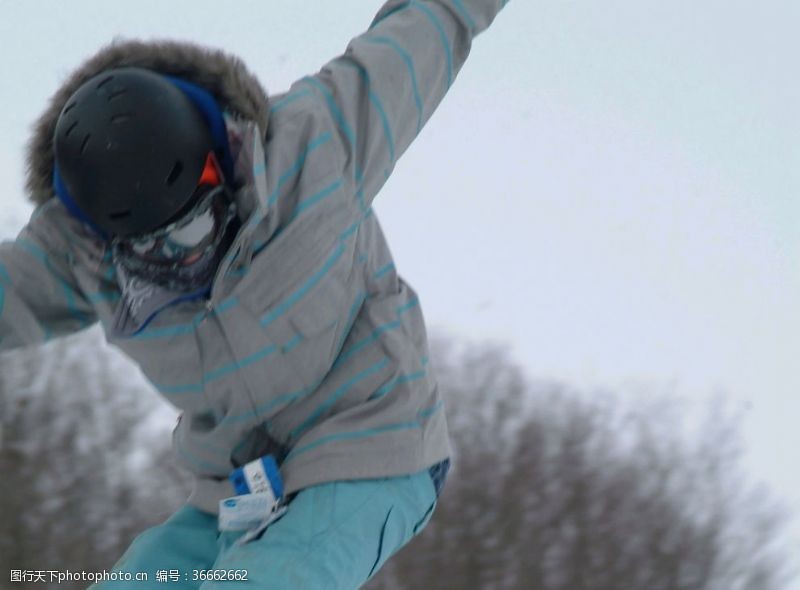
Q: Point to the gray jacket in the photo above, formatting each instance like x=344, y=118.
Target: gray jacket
x=310, y=345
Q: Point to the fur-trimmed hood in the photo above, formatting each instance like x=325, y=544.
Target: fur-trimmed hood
x=236, y=89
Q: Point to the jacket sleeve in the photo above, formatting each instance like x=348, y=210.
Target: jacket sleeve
x=383, y=89
x=39, y=295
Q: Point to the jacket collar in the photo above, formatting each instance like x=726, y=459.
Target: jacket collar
x=142, y=301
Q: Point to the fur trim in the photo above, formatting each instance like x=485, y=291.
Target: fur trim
x=224, y=75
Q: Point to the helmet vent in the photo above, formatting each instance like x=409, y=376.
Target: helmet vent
x=104, y=82
x=116, y=215
x=120, y=118
x=71, y=129
x=175, y=173
x=85, y=144
x=69, y=107
x=117, y=94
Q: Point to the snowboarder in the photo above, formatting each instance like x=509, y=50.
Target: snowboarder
x=226, y=242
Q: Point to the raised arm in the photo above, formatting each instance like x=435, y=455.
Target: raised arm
x=384, y=88
x=39, y=295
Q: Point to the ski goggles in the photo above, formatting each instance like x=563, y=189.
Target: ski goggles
x=186, y=239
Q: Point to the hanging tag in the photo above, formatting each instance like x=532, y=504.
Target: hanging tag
x=241, y=513
x=260, y=490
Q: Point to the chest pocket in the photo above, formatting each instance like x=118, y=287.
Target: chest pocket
x=316, y=324
x=306, y=322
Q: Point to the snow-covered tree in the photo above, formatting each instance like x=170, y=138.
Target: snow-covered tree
x=557, y=490
x=551, y=490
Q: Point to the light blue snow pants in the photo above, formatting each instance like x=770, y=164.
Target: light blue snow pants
x=333, y=536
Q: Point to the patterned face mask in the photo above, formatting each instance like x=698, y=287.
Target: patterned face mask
x=183, y=255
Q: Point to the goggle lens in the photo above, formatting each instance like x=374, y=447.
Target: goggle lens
x=194, y=232
x=185, y=238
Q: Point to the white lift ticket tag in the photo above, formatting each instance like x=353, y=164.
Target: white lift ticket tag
x=257, y=478
x=260, y=490
x=241, y=513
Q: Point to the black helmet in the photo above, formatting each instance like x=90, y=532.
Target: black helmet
x=130, y=147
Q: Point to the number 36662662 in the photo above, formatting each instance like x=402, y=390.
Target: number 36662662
x=219, y=574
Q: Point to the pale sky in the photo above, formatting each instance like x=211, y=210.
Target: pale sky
x=612, y=188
